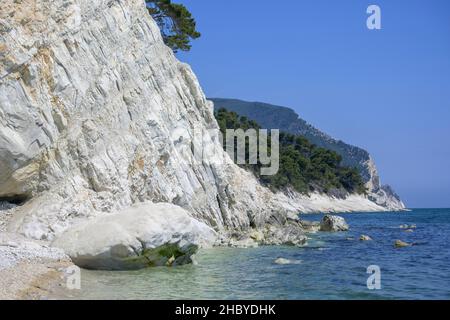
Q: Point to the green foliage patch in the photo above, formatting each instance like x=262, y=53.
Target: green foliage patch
x=303, y=166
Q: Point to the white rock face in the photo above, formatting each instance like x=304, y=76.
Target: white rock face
x=382, y=195
x=144, y=235
x=333, y=224
x=319, y=203
x=97, y=114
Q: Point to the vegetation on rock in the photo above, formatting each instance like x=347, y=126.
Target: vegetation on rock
x=177, y=25
x=303, y=166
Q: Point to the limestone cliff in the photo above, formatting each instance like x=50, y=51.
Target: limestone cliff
x=97, y=114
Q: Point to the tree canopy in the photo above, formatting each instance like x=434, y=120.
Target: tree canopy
x=303, y=166
x=177, y=25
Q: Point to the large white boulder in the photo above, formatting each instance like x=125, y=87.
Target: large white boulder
x=141, y=236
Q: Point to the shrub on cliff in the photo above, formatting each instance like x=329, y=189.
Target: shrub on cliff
x=177, y=25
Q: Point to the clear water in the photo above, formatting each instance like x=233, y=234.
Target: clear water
x=331, y=267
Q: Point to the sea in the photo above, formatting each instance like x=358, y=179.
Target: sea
x=334, y=266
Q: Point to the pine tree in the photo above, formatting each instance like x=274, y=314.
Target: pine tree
x=177, y=25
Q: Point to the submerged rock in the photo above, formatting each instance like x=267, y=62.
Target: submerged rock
x=333, y=224
x=365, y=238
x=401, y=244
x=310, y=226
x=243, y=243
x=142, y=236
x=290, y=234
x=282, y=261
x=405, y=226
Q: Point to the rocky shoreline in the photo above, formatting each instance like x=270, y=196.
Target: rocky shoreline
x=35, y=270
x=98, y=150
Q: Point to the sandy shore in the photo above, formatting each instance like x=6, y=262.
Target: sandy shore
x=29, y=269
x=32, y=280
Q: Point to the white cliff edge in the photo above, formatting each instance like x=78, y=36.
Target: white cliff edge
x=97, y=115
x=382, y=195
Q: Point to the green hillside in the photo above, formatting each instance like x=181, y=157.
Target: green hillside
x=303, y=165
x=276, y=117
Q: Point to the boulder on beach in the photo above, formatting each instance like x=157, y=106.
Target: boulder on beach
x=333, y=224
x=141, y=236
x=365, y=238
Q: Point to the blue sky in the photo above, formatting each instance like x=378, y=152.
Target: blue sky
x=387, y=91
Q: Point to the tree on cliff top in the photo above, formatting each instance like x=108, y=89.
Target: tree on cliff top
x=177, y=25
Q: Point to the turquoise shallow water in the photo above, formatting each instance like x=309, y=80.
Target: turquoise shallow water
x=330, y=267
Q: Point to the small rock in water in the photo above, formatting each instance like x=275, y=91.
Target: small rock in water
x=365, y=238
x=409, y=230
x=401, y=244
x=170, y=261
x=283, y=261
x=243, y=243
x=290, y=234
x=333, y=224
x=310, y=226
x=405, y=226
